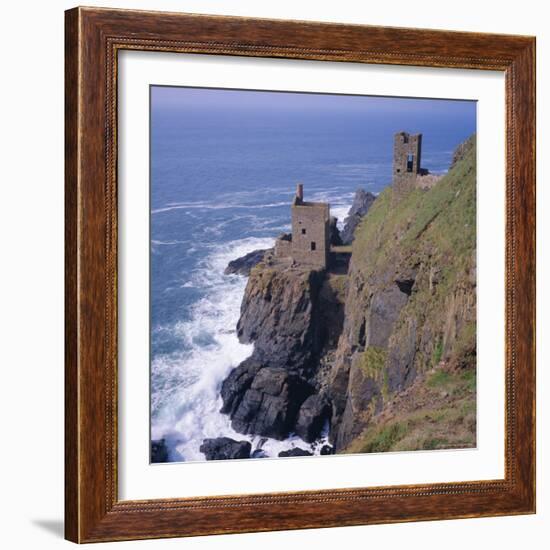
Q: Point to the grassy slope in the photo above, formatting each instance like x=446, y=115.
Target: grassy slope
x=435, y=229
x=442, y=219
x=436, y=412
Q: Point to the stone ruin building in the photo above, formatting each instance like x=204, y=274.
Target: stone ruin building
x=309, y=242
x=407, y=168
x=407, y=152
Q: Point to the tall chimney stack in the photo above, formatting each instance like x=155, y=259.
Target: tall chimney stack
x=300, y=192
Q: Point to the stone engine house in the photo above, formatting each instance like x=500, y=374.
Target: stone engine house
x=309, y=243
x=407, y=153
x=407, y=169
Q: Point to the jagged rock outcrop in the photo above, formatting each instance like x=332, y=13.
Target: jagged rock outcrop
x=411, y=298
x=269, y=404
x=159, y=451
x=335, y=237
x=284, y=313
x=326, y=450
x=340, y=348
x=362, y=202
x=279, y=315
x=295, y=452
x=312, y=416
x=222, y=448
x=243, y=265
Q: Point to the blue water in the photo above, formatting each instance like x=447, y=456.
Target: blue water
x=222, y=178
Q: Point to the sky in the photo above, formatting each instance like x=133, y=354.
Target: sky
x=215, y=99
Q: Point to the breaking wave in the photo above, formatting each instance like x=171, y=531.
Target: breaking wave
x=185, y=386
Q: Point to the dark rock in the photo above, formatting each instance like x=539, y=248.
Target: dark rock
x=335, y=238
x=279, y=315
x=259, y=453
x=295, y=452
x=237, y=383
x=405, y=286
x=331, y=311
x=385, y=307
x=243, y=265
x=222, y=448
x=362, y=390
x=401, y=371
x=313, y=414
x=337, y=390
x=270, y=404
x=360, y=336
x=371, y=321
x=361, y=204
x=159, y=451
x=327, y=450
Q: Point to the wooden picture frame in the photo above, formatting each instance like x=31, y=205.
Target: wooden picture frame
x=93, y=511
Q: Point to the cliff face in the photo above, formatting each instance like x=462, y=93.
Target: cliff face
x=346, y=348
x=279, y=313
x=411, y=303
x=362, y=202
x=285, y=313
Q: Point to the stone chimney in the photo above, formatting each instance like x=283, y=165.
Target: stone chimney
x=300, y=192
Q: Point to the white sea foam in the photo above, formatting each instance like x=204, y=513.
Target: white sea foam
x=185, y=396
x=340, y=211
x=340, y=203
x=210, y=206
x=166, y=243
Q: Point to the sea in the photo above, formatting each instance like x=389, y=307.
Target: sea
x=224, y=168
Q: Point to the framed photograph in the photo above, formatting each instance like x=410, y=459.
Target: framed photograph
x=300, y=275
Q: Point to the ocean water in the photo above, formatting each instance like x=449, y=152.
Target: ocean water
x=224, y=167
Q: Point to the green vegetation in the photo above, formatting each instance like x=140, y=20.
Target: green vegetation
x=372, y=361
x=432, y=232
x=386, y=438
x=439, y=379
x=338, y=284
x=453, y=382
x=438, y=352
x=393, y=229
x=465, y=345
x=469, y=378
x=440, y=414
x=427, y=239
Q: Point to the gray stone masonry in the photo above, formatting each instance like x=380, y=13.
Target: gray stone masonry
x=309, y=243
x=407, y=152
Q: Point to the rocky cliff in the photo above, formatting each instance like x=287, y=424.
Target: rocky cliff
x=362, y=202
x=293, y=316
x=411, y=302
x=243, y=265
x=347, y=348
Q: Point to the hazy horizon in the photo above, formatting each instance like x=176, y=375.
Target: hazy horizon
x=181, y=98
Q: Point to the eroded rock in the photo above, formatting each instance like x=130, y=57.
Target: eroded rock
x=279, y=315
x=270, y=403
x=361, y=204
x=243, y=265
x=159, y=451
x=222, y=448
x=295, y=452
x=313, y=414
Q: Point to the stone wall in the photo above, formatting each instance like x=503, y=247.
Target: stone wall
x=407, y=152
x=427, y=181
x=311, y=234
x=283, y=246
